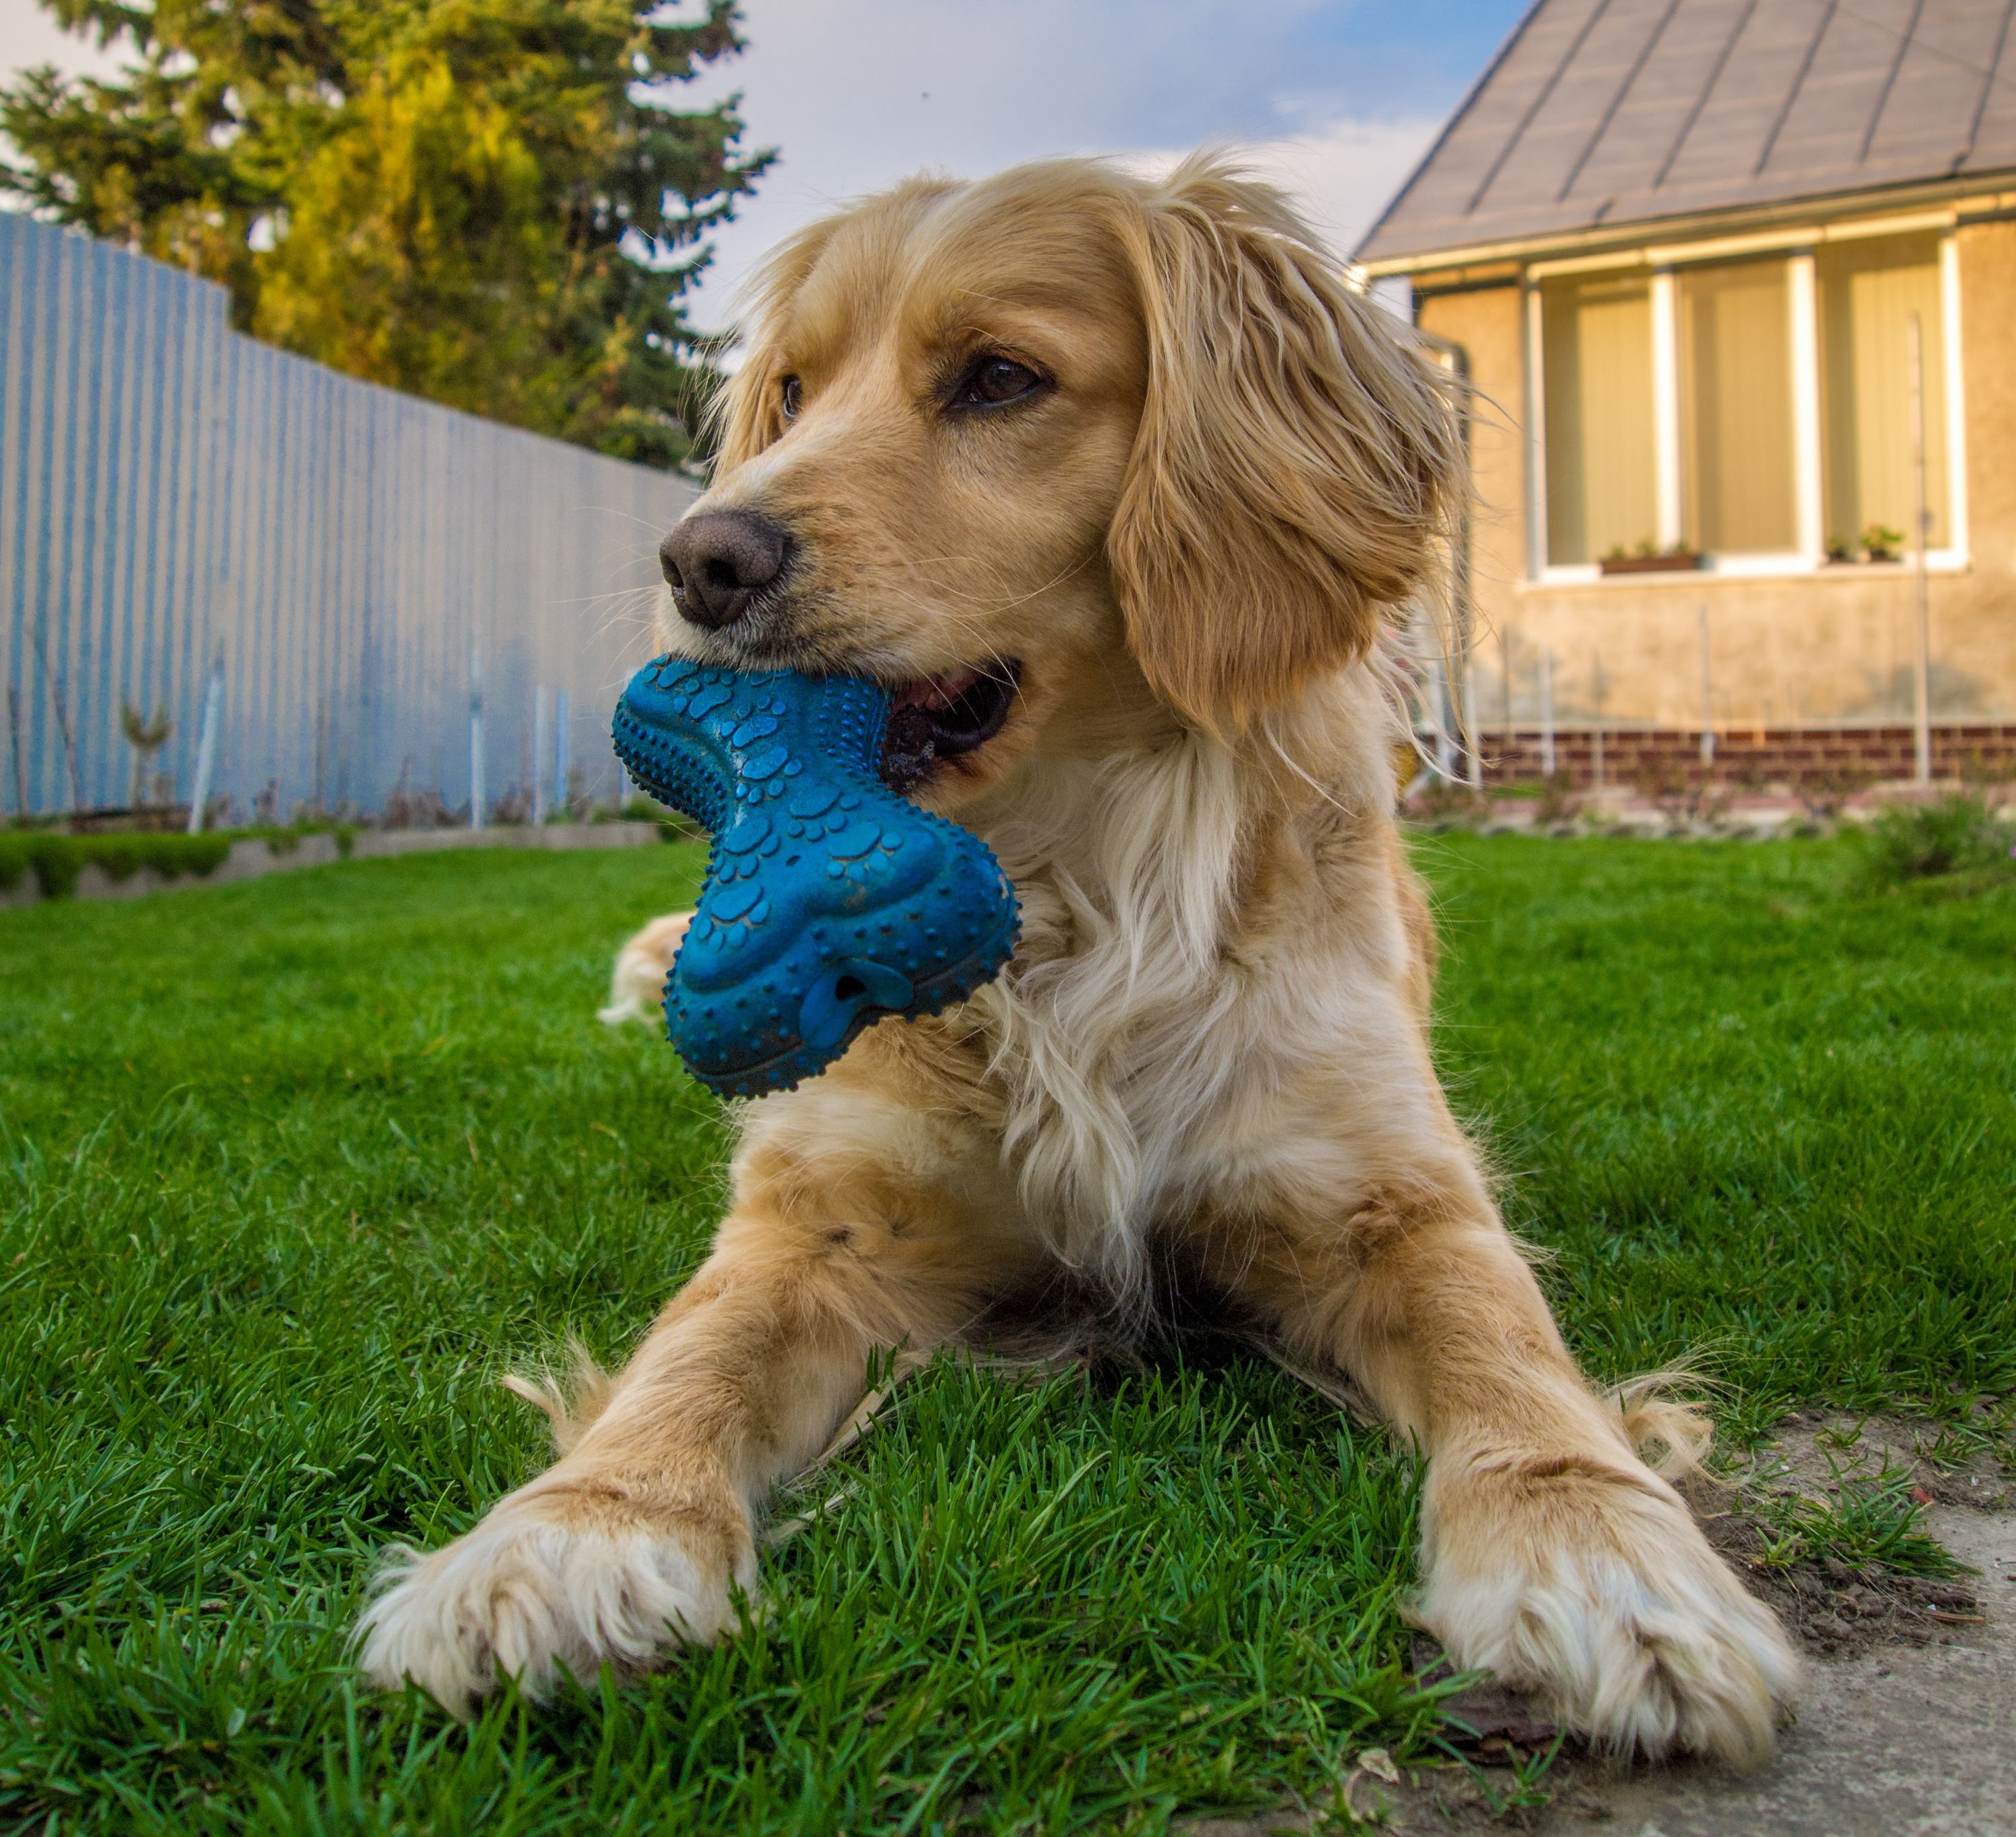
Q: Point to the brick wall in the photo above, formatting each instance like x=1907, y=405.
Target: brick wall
x=1659, y=758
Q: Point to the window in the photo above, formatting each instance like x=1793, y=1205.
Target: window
x=1868, y=292
x=1735, y=337
x=1757, y=409
x=1602, y=470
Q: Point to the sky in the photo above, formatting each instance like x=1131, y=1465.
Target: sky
x=1336, y=99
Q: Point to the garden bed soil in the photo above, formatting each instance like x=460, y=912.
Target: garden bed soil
x=1903, y=1728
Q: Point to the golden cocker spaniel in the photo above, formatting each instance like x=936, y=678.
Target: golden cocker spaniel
x=1125, y=489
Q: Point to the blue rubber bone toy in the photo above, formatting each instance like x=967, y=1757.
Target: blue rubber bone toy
x=830, y=901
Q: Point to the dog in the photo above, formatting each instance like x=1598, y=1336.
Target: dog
x=637, y=979
x=1126, y=493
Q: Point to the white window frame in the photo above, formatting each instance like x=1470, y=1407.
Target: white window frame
x=1663, y=264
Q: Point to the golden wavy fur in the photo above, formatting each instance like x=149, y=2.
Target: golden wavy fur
x=1139, y=437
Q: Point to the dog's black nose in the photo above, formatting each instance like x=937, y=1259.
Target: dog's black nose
x=715, y=565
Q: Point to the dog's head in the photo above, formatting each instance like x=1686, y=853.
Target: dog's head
x=1053, y=452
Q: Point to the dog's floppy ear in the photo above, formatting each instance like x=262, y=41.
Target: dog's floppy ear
x=748, y=414
x=1295, y=462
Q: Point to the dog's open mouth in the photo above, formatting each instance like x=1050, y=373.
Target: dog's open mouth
x=942, y=717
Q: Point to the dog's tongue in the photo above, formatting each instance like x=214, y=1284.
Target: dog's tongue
x=935, y=693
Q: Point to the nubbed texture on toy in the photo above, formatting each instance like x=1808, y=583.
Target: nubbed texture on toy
x=830, y=901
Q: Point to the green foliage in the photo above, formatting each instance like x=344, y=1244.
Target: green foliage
x=52, y=859
x=1741, y=1102
x=280, y=1201
x=672, y=826
x=277, y=1207
x=117, y=857
x=1872, y=1524
x=491, y=203
x=56, y=860
x=285, y=838
x=1954, y=835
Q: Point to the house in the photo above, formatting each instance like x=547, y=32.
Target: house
x=1734, y=282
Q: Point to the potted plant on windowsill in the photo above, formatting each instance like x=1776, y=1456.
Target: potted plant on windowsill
x=1841, y=552
x=1648, y=558
x=1882, y=542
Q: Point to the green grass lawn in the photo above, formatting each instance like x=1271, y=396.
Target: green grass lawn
x=290, y=1171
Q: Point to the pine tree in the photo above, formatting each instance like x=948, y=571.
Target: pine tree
x=491, y=203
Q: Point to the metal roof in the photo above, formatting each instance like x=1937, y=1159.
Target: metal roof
x=1602, y=112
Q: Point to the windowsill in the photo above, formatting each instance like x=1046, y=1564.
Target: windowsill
x=1746, y=567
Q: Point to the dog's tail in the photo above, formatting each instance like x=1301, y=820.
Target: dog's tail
x=638, y=982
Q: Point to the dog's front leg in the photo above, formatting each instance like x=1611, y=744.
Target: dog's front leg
x=1551, y=1554
x=856, y=1225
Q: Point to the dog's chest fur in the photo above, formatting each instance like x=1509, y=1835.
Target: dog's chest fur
x=1125, y=1037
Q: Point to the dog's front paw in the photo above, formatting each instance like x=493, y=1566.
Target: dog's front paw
x=552, y=1578
x=1596, y=1590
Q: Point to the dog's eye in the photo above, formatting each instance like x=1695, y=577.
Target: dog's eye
x=792, y=394
x=993, y=380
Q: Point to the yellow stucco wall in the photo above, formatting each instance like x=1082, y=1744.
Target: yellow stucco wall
x=1810, y=648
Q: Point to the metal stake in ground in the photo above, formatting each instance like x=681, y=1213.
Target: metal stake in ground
x=538, y=754
x=1914, y=352
x=146, y=736
x=1547, y=710
x=1596, y=687
x=475, y=738
x=1472, y=728
x=206, y=747
x=14, y=746
x=56, y=694
x=562, y=788
x=1708, y=695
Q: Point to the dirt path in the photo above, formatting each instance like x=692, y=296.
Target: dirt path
x=1900, y=1741
x=1908, y=1725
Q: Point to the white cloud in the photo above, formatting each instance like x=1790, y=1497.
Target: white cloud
x=30, y=36
x=1343, y=174
x=1340, y=176
x=860, y=93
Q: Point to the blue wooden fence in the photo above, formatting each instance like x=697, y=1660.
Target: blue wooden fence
x=178, y=502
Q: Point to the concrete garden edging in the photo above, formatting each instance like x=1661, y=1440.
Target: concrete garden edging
x=255, y=856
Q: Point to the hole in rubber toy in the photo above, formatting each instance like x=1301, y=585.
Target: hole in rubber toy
x=816, y=861
x=836, y=1009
